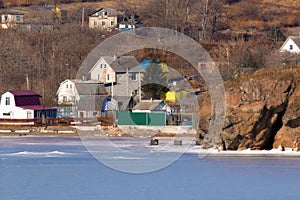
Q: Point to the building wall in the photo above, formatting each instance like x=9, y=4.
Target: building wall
x=287, y=46
x=100, y=72
x=125, y=85
x=103, y=23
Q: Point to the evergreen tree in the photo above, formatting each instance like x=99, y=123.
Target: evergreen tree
x=154, y=82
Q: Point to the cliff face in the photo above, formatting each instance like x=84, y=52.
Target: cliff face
x=263, y=112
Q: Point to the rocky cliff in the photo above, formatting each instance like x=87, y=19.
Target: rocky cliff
x=262, y=111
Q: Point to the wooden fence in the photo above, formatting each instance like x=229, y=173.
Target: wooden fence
x=103, y=121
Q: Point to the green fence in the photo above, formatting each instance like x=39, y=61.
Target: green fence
x=142, y=119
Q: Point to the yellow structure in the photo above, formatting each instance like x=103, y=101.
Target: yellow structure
x=176, y=95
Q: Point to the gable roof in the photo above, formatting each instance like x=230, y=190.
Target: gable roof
x=23, y=92
x=148, y=105
x=111, y=12
x=86, y=88
x=26, y=98
x=121, y=64
x=295, y=39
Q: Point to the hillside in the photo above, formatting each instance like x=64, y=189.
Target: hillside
x=237, y=33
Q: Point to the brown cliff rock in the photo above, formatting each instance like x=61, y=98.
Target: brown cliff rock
x=289, y=134
x=256, y=111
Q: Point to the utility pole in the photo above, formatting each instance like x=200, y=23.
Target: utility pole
x=112, y=88
x=127, y=82
x=82, y=18
x=27, y=82
x=140, y=87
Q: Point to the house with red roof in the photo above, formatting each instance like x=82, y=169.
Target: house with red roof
x=24, y=104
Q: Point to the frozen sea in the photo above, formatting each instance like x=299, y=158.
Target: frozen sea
x=42, y=168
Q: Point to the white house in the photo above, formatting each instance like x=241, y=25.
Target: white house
x=24, y=104
x=292, y=45
x=121, y=75
x=70, y=90
x=11, y=20
x=104, y=18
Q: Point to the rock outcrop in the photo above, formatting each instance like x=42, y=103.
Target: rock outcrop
x=262, y=112
x=289, y=133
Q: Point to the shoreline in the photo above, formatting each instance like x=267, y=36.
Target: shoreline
x=193, y=149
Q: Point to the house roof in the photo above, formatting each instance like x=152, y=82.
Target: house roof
x=147, y=105
x=93, y=103
x=121, y=64
x=296, y=39
x=23, y=93
x=89, y=88
x=26, y=97
x=111, y=12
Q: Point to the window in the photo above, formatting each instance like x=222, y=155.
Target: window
x=65, y=99
x=6, y=114
x=70, y=86
x=67, y=86
x=107, y=77
x=29, y=115
x=6, y=17
x=111, y=23
x=7, y=101
x=133, y=76
x=291, y=47
x=98, y=77
x=95, y=23
x=18, y=18
x=104, y=65
x=103, y=23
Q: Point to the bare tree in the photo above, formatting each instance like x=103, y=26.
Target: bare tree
x=210, y=11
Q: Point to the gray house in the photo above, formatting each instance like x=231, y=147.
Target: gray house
x=120, y=75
